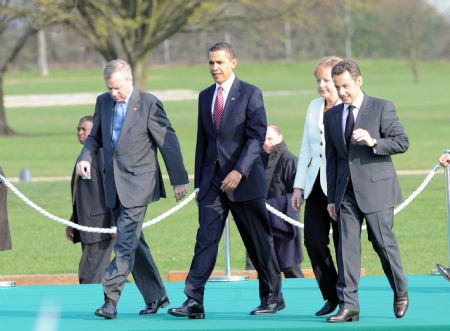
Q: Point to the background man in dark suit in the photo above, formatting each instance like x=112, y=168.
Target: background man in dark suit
x=229, y=176
x=5, y=237
x=361, y=135
x=280, y=167
x=89, y=209
x=130, y=125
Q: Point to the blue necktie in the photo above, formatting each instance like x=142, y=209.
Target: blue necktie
x=120, y=110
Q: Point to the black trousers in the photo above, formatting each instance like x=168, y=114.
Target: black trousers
x=317, y=239
x=252, y=222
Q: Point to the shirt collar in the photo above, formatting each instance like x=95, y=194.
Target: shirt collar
x=358, y=102
x=226, y=85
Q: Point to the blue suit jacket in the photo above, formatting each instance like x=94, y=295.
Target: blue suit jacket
x=238, y=144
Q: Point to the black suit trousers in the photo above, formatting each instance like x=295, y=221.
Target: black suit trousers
x=252, y=222
x=317, y=239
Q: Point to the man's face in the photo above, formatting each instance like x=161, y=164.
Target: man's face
x=347, y=88
x=221, y=66
x=273, y=138
x=83, y=130
x=119, y=86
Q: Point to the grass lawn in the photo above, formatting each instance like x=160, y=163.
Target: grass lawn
x=46, y=144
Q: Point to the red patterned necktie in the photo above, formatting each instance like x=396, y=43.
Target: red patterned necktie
x=218, y=108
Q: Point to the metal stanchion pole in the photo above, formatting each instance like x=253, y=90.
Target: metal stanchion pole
x=447, y=200
x=447, y=203
x=227, y=277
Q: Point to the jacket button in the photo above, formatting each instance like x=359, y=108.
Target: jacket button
x=321, y=143
x=320, y=155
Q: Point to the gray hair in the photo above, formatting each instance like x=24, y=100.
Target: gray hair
x=117, y=65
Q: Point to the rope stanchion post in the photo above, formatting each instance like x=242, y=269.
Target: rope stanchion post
x=447, y=200
x=227, y=277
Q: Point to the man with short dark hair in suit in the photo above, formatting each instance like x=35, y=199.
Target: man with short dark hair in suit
x=229, y=176
x=89, y=209
x=5, y=236
x=129, y=126
x=361, y=135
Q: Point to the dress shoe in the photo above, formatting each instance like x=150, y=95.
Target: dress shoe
x=344, y=315
x=152, y=307
x=327, y=308
x=191, y=309
x=108, y=310
x=445, y=272
x=401, y=305
x=268, y=309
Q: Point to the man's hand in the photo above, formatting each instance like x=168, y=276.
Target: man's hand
x=332, y=211
x=362, y=136
x=231, y=181
x=444, y=160
x=180, y=191
x=297, y=199
x=84, y=168
x=69, y=233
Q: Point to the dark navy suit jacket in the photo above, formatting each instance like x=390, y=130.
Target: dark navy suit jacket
x=237, y=145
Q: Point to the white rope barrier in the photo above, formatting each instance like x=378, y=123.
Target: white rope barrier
x=79, y=227
x=187, y=200
x=396, y=210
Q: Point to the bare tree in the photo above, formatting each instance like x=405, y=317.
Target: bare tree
x=131, y=29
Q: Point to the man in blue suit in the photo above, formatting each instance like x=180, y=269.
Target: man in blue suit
x=229, y=176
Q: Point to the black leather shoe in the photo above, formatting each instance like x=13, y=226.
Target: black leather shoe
x=344, y=315
x=152, y=307
x=401, y=305
x=327, y=308
x=445, y=272
x=108, y=310
x=191, y=309
x=268, y=309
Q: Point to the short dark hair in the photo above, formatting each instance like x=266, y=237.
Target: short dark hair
x=223, y=46
x=346, y=65
x=87, y=118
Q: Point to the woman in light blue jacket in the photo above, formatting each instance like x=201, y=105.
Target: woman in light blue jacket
x=311, y=186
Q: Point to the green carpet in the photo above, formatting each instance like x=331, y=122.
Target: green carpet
x=71, y=307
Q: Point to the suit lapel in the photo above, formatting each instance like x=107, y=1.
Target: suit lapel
x=232, y=98
x=207, y=106
x=132, y=109
x=108, y=114
x=338, y=118
x=363, y=112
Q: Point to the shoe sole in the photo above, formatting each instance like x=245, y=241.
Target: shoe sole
x=190, y=316
x=106, y=316
x=352, y=319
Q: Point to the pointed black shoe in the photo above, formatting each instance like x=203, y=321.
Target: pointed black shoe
x=445, y=272
x=344, y=315
x=108, y=310
x=152, y=307
x=190, y=309
x=268, y=309
x=327, y=308
x=401, y=305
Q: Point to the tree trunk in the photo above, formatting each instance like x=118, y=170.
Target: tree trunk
x=5, y=130
x=140, y=73
x=42, y=54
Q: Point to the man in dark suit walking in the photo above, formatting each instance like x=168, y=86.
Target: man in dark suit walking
x=229, y=176
x=130, y=125
x=361, y=135
x=89, y=209
x=5, y=236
